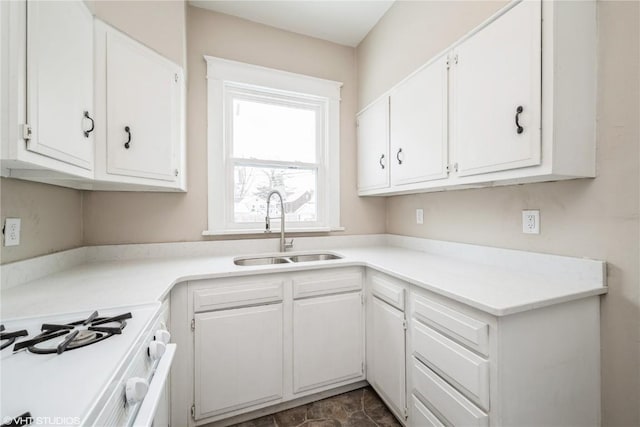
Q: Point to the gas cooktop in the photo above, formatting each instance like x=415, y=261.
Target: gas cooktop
x=44, y=382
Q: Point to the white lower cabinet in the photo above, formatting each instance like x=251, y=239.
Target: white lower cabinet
x=386, y=330
x=328, y=340
x=468, y=368
x=232, y=349
x=254, y=342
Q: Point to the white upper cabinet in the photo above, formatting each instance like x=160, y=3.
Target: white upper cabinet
x=373, y=146
x=60, y=81
x=418, y=126
x=46, y=80
x=74, y=91
x=497, y=83
x=514, y=104
x=139, y=97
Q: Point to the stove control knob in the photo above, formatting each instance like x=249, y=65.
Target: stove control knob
x=156, y=349
x=135, y=390
x=163, y=336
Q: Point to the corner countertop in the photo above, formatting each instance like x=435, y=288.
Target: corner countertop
x=493, y=288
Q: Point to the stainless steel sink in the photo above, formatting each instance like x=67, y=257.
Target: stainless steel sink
x=314, y=257
x=284, y=259
x=261, y=260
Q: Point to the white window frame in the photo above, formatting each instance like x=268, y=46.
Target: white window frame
x=226, y=78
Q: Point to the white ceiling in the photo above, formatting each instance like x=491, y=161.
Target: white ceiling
x=345, y=22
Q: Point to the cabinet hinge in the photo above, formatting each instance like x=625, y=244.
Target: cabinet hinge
x=455, y=58
x=406, y=413
x=176, y=172
x=193, y=324
x=448, y=62
x=26, y=132
x=362, y=367
x=175, y=77
x=452, y=168
x=404, y=324
x=193, y=411
x=362, y=298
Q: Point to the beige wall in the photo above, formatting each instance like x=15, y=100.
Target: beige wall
x=587, y=218
x=144, y=217
x=51, y=218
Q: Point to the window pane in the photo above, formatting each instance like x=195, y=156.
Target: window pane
x=269, y=131
x=252, y=185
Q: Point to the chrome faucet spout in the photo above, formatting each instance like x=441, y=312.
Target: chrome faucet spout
x=283, y=244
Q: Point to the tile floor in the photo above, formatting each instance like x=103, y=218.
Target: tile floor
x=358, y=408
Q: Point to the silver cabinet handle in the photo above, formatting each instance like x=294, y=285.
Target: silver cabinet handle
x=380, y=161
x=398, y=156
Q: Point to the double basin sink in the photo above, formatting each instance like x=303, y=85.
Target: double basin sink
x=285, y=259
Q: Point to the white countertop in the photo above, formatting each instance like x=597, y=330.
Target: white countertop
x=498, y=289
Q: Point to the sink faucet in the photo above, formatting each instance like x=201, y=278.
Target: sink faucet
x=284, y=245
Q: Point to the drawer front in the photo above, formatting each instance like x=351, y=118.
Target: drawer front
x=327, y=282
x=445, y=399
x=421, y=416
x=388, y=291
x=468, y=370
x=236, y=295
x=464, y=329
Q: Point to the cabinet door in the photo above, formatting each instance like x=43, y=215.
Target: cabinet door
x=143, y=111
x=418, y=126
x=328, y=344
x=373, y=146
x=238, y=358
x=497, y=85
x=60, y=80
x=387, y=356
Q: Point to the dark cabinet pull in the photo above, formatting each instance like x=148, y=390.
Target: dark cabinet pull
x=519, y=110
x=93, y=125
x=398, y=156
x=380, y=161
x=128, y=143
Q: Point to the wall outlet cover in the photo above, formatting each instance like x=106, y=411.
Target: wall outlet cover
x=11, y=231
x=531, y=221
x=419, y=216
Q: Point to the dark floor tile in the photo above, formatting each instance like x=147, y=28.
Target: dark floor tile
x=327, y=409
x=358, y=408
x=351, y=401
x=321, y=423
x=370, y=400
x=291, y=417
x=267, y=421
x=359, y=419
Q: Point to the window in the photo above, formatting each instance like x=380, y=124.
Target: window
x=271, y=130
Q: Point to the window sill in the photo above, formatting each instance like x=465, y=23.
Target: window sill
x=273, y=232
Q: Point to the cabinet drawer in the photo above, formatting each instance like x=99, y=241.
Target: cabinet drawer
x=464, y=329
x=421, y=416
x=452, y=405
x=236, y=295
x=468, y=370
x=388, y=291
x=327, y=282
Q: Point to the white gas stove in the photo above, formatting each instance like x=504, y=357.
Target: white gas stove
x=91, y=368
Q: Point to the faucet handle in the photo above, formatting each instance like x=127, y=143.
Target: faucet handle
x=288, y=244
x=267, y=224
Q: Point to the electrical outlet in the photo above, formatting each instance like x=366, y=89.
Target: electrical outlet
x=11, y=231
x=531, y=222
x=419, y=216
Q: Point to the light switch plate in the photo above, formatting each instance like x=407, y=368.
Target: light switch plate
x=12, y=231
x=531, y=221
x=419, y=216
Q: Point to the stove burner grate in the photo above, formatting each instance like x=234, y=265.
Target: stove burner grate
x=78, y=334
x=10, y=337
